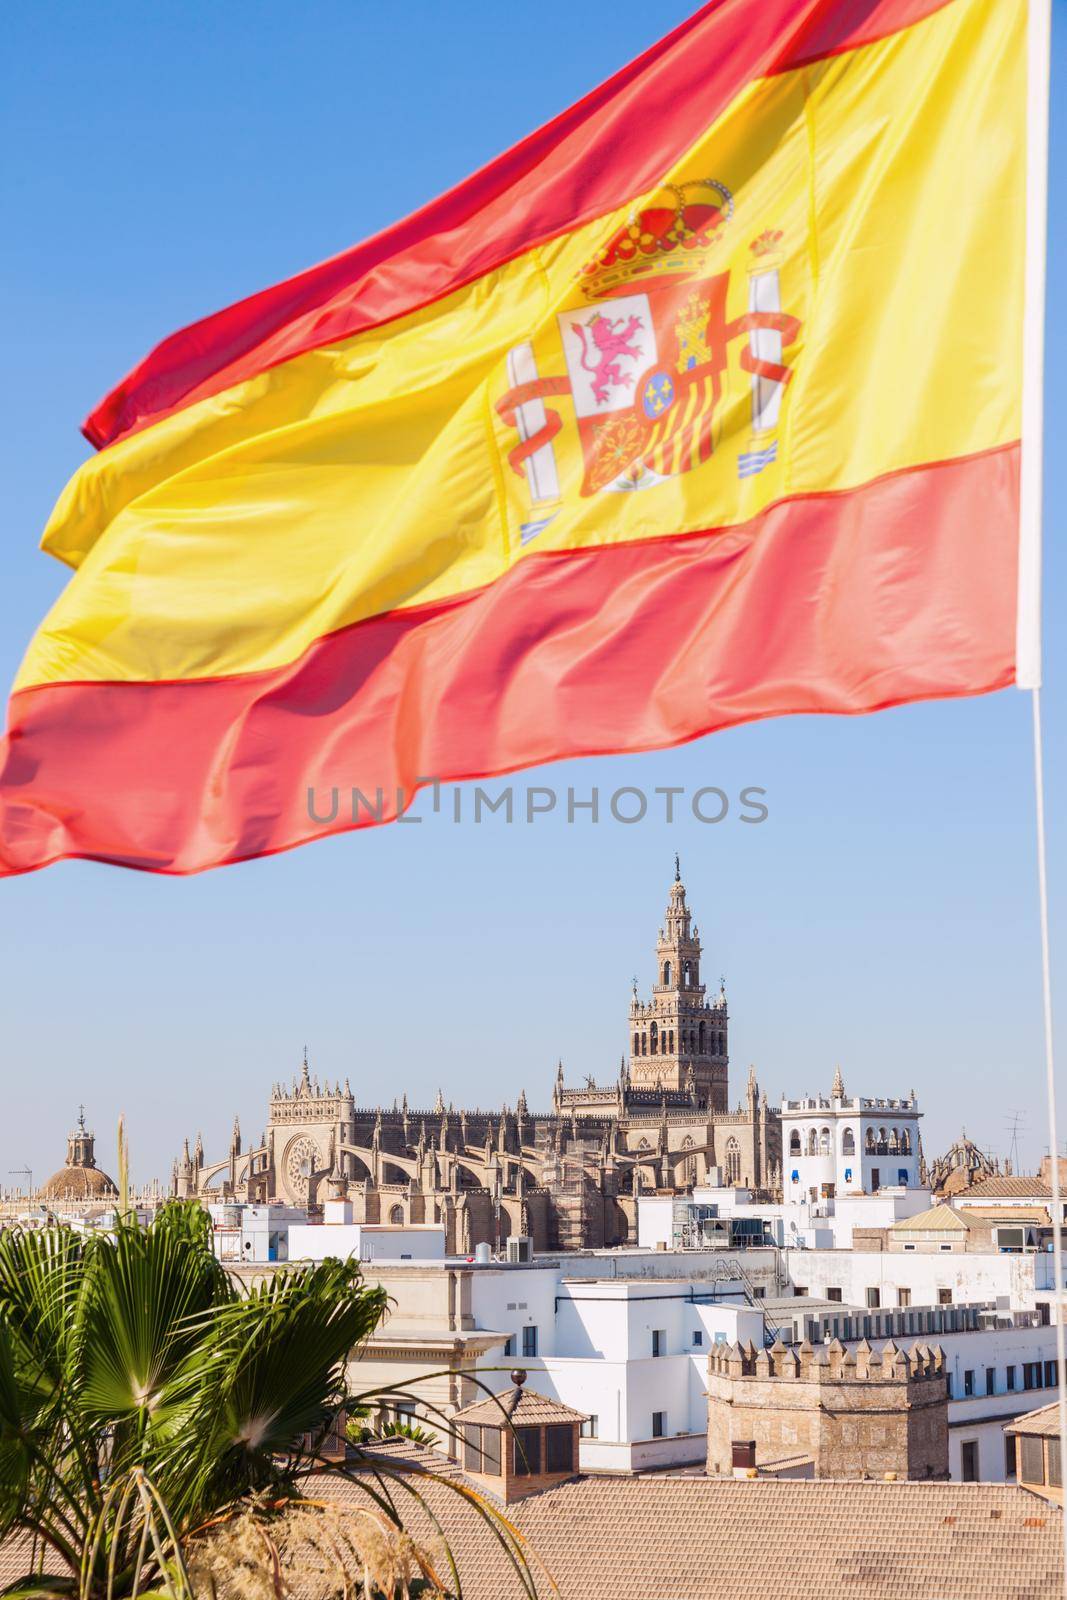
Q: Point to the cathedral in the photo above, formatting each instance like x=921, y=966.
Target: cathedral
x=568, y=1177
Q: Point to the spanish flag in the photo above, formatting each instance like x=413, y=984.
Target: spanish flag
x=702, y=404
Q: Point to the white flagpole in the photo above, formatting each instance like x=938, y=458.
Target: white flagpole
x=1028, y=613
x=1050, y=1087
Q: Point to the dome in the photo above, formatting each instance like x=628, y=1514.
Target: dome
x=78, y=1183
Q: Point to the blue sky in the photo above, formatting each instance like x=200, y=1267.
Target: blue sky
x=164, y=160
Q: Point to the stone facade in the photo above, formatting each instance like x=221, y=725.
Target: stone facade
x=568, y=1178
x=852, y=1414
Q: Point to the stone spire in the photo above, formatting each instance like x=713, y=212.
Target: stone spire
x=838, y=1090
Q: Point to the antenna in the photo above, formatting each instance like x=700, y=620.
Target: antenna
x=1015, y=1119
x=22, y=1172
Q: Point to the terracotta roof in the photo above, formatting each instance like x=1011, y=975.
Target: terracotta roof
x=935, y=1219
x=1044, y=1421
x=1016, y=1187
x=669, y=1537
x=619, y=1538
x=518, y=1406
x=77, y=1183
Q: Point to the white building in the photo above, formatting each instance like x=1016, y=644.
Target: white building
x=845, y=1145
x=263, y=1234
x=624, y=1336
x=721, y=1218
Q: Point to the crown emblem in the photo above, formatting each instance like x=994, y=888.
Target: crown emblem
x=669, y=236
x=767, y=243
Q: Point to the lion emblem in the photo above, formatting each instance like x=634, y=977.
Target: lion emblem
x=611, y=338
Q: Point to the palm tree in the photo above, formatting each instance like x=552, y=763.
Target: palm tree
x=144, y=1397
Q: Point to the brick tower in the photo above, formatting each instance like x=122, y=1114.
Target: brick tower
x=678, y=1039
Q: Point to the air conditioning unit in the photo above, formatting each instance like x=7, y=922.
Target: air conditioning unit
x=520, y=1250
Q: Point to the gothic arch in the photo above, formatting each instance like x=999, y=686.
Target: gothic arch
x=813, y=1142
x=733, y=1161
x=848, y=1143
x=396, y=1216
x=795, y=1145
x=667, y=974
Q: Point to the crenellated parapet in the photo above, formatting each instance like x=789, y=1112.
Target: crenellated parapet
x=854, y=1410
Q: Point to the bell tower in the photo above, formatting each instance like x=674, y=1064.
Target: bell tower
x=81, y=1144
x=678, y=1039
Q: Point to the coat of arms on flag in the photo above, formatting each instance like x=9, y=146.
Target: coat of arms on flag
x=645, y=349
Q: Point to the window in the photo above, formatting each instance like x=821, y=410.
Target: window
x=848, y=1143
x=903, y=1297
x=396, y=1216
x=833, y=1293
x=698, y=1336
x=527, y=1452
x=990, y=1380
x=1050, y=1374
x=1055, y=1474
x=659, y=1341
x=733, y=1161
x=666, y=974
x=653, y=1038
x=1032, y=1375
x=591, y=1428
x=909, y=1247
x=529, y=1341
x=824, y=1142
x=1010, y=1376
x=800, y=1289
x=481, y=1450
x=659, y=1424
x=794, y=1142
x=876, y=1179
x=1031, y=1460
x=969, y=1460
x=968, y=1389
x=1009, y=1455
x=944, y=1297
x=559, y=1448
x=509, y=1346
x=944, y=1247
x=874, y=1297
